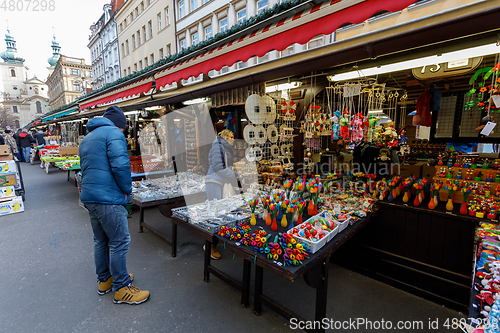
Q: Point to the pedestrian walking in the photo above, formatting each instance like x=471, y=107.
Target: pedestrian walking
x=16, y=138
x=9, y=141
x=24, y=142
x=106, y=189
x=39, y=137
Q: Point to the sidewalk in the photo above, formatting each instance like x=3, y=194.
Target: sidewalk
x=49, y=282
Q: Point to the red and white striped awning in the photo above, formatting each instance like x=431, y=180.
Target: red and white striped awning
x=321, y=19
x=130, y=91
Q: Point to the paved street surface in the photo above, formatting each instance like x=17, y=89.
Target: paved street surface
x=49, y=282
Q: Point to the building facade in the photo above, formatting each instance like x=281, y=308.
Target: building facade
x=104, y=47
x=70, y=78
x=25, y=98
x=146, y=33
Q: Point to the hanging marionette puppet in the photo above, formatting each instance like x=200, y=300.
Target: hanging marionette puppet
x=344, y=126
x=357, y=130
x=372, y=124
x=335, y=125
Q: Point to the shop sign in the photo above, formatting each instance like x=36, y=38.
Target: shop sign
x=452, y=68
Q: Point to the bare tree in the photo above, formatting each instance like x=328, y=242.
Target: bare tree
x=7, y=118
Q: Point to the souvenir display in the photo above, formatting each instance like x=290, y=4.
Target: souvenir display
x=182, y=184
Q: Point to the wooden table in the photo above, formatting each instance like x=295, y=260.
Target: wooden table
x=314, y=269
x=177, y=201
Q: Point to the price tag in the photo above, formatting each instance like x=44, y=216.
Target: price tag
x=337, y=209
x=237, y=243
x=328, y=216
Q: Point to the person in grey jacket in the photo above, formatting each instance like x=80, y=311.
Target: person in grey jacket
x=220, y=160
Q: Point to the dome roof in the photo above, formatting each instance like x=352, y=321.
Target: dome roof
x=10, y=55
x=56, y=49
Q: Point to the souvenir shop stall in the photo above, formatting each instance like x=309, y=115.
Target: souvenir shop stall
x=353, y=160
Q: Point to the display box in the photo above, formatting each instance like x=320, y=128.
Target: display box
x=8, y=166
x=428, y=172
x=11, y=206
x=68, y=151
x=8, y=179
x=7, y=192
x=4, y=150
x=8, y=157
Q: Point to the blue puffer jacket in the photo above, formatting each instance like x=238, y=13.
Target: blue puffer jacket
x=106, y=177
x=217, y=173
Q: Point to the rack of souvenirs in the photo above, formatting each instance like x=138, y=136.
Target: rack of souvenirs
x=182, y=184
x=192, y=144
x=486, y=278
x=330, y=209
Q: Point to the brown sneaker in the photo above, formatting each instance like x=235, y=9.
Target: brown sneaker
x=105, y=287
x=131, y=295
x=214, y=254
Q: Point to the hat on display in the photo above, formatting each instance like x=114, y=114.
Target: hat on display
x=116, y=115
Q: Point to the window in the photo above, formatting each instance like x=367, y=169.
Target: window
x=264, y=58
x=140, y=65
x=138, y=38
x=223, y=24
x=38, y=107
x=144, y=33
x=194, y=5
x=241, y=64
x=152, y=58
x=261, y=6
x=136, y=11
x=76, y=86
x=205, y=1
x=182, y=12
x=131, y=17
x=183, y=44
x=135, y=68
x=167, y=17
x=159, y=22
x=128, y=71
x=169, y=50
x=14, y=87
x=14, y=109
x=241, y=16
x=133, y=42
x=149, y=2
x=123, y=50
x=161, y=53
x=142, y=6
x=125, y=21
x=224, y=70
x=208, y=32
x=150, y=26
x=124, y=72
x=16, y=122
x=13, y=72
x=288, y=51
x=194, y=38
x=75, y=71
x=146, y=62
x=128, y=49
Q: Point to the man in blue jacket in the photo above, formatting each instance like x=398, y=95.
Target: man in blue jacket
x=106, y=188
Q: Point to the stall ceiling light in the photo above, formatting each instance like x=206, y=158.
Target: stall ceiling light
x=196, y=101
x=177, y=119
x=151, y=108
x=415, y=63
x=284, y=86
x=376, y=111
x=131, y=112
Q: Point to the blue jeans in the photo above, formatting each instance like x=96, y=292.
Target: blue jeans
x=26, y=153
x=214, y=191
x=111, y=241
